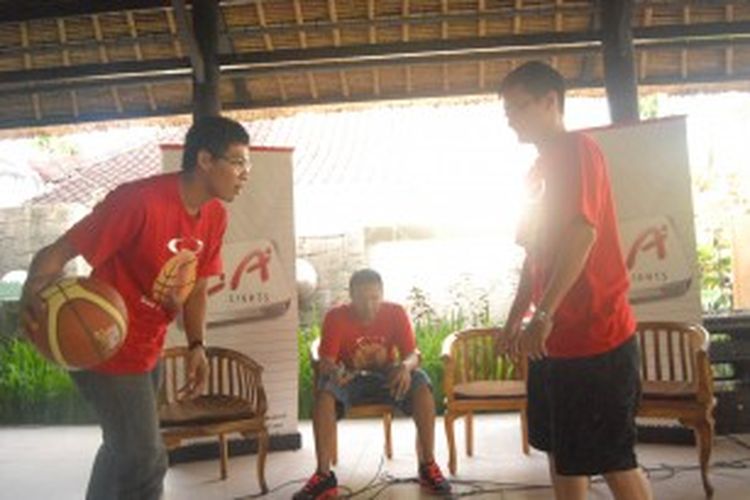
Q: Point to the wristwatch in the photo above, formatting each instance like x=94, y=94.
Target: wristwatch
x=542, y=315
x=196, y=343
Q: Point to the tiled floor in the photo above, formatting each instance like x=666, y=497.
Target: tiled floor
x=52, y=463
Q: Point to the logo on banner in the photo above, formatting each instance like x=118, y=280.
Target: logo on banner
x=253, y=287
x=655, y=259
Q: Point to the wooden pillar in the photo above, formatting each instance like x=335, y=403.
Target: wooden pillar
x=619, y=66
x=206, y=99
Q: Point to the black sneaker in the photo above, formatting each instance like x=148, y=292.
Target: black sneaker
x=432, y=479
x=319, y=487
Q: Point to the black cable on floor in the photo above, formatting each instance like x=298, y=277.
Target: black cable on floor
x=381, y=481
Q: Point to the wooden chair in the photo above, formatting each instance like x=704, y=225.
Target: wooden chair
x=677, y=382
x=234, y=401
x=359, y=411
x=476, y=378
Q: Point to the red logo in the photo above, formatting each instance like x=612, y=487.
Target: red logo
x=257, y=262
x=653, y=238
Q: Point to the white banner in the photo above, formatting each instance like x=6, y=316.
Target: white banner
x=650, y=176
x=253, y=307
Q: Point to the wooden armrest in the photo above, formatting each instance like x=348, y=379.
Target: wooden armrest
x=447, y=348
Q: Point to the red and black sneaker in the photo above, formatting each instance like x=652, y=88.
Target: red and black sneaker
x=432, y=479
x=319, y=487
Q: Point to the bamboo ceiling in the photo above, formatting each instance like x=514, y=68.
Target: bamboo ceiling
x=69, y=61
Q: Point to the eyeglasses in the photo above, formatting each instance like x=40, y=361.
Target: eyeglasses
x=238, y=163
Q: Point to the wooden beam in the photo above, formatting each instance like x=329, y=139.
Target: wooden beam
x=444, y=35
x=268, y=42
x=104, y=58
x=27, y=64
x=729, y=50
x=586, y=71
x=28, y=10
x=289, y=61
x=684, y=52
x=405, y=8
x=372, y=36
x=648, y=16
x=517, y=17
x=619, y=69
x=334, y=15
x=63, y=36
x=226, y=46
x=300, y=20
x=481, y=32
x=139, y=56
x=206, y=98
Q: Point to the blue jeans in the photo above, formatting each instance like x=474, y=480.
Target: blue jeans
x=372, y=388
x=132, y=460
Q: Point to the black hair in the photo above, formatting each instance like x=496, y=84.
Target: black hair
x=364, y=277
x=214, y=134
x=536, y=78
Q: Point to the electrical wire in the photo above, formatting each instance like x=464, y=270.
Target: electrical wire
x=382, y=480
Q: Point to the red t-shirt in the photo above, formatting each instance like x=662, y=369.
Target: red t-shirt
x=141, y=240
x=359, y=346
x=571, y=180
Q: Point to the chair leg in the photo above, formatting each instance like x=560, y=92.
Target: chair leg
x=704, y=436
x=261, y=463
x=525, y=432
x=387, y=420
x=449, y=418
x=223, y=455
x=470, y=434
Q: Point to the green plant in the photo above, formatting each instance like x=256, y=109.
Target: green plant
x=305, y=337
x=715, y=265
x=430, y=336
x=33, y=390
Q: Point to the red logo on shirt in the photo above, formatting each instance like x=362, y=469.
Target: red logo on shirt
x=176, y=245
x=370, y=353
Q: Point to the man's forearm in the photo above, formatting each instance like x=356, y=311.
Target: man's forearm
x=48, y=263
x=577, y=242
x=194, y=313
x=522, y=299
x=411, y=362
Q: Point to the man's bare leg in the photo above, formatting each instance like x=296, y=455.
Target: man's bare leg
x=629, y=485
x=324, y=428
x=567, y=487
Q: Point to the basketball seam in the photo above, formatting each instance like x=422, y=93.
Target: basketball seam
x=84, y=295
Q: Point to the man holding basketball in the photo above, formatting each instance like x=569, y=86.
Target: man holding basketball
x=156, y=241
x=583, y=382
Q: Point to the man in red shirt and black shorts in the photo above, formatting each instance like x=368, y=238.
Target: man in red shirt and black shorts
x=358, y=366
x=134, y=239
x=583, y=383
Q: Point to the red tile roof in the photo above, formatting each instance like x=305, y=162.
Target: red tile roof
x=390, y=147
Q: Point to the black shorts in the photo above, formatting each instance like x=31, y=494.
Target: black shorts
x=582, y=410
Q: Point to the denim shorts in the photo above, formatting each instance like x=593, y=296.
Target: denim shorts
x=371, y=388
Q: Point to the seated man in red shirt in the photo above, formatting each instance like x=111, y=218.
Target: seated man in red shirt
x=358, y=365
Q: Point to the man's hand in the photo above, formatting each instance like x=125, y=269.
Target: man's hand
x=197, y=374
x=336, y=371
x=506, y=339
x=33, y=309
x=533, y=339
x=399, y=380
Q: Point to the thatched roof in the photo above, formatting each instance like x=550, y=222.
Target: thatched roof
x=70, y=61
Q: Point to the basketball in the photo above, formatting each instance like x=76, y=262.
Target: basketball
x=86, y=323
